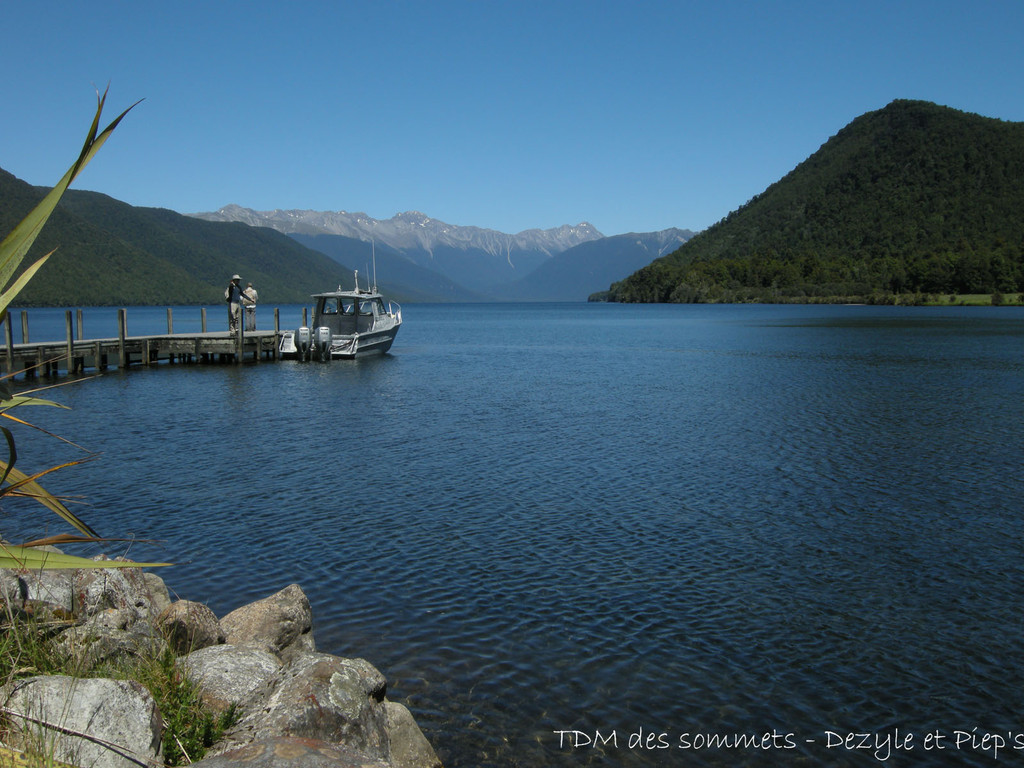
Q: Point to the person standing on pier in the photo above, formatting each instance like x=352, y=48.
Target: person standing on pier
x=249, y=297
x=233, y=296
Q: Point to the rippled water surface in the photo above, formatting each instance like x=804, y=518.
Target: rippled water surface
x=604, y=518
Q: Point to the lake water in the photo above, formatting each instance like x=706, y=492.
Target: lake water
x=702, y=523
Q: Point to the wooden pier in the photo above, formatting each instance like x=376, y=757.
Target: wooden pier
x=77, y=355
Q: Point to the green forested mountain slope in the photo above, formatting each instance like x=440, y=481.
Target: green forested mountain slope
x=111, y=253
x=912, y=198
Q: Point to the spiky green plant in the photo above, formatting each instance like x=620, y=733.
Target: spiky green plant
x=14, y=482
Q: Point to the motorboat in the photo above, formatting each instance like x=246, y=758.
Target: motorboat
x=346, y=324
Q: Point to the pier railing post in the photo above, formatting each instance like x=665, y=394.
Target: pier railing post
x=170, y=322
x=69, y=335
x=122, y=331
x=277, y=331
x=81, y=326
x=202, y=315
x=24, y=327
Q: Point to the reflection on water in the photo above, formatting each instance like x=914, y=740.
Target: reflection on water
x=600, y=519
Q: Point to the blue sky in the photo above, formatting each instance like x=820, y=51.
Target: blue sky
x=636, y=115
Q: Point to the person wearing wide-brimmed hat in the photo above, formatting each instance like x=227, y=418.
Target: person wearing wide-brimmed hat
x=249, y=297
x=233, y=296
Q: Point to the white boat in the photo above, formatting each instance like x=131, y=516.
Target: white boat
x=346, y=324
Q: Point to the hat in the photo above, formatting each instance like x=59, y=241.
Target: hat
x=236, y=277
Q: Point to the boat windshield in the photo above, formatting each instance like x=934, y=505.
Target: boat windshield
x=373, y=306
x=332, y=305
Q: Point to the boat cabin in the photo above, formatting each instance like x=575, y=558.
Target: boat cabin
x=347, y=313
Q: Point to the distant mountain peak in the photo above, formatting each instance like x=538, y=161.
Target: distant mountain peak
x=414, y=217
x=411, y=228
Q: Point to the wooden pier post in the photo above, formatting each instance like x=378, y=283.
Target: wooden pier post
x=81, y=326
x=24, y=327
x=170, y=330
x=69, y=335
x=277, y=333
x=202, y=314
x=122, y=331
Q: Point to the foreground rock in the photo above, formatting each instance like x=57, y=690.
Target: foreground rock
x=281, y=624
x=296, y=707
x=118, y=721
x=188, y=626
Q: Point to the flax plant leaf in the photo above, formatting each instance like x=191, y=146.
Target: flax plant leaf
x=13, y=249
x=14, y=400
x=12, y=454
x=17, y=244
x=26, y=485
x=70, y=538
x=28, y=558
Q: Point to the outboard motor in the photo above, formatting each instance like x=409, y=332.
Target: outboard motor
x=303, y=343
x=322, y=344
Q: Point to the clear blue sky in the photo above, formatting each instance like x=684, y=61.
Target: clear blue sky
x=636, y=115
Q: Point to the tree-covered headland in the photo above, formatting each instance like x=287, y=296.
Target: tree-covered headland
x=905, y=204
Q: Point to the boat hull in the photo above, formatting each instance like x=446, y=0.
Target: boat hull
x=345, y=347
x=363, y=345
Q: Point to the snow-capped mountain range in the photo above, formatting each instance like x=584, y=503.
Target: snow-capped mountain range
x=426, y=259
x=411, y=229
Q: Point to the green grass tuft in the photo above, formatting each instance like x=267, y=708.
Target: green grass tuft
x=28, y=648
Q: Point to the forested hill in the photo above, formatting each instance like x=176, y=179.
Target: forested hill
x=911, y=199
x=112, y=253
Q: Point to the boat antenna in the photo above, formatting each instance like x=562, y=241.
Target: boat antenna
x=357, y=281
x=373, y=251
